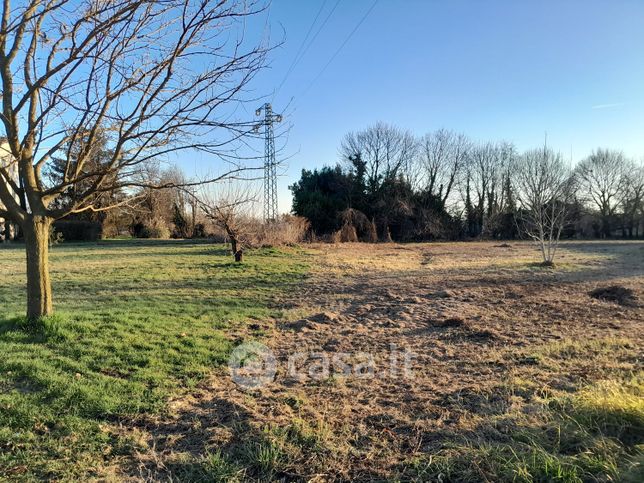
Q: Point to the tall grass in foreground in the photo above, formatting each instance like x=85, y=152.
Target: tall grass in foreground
x=596, y=434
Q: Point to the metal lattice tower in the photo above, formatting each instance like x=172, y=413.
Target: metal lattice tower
x=270, y=165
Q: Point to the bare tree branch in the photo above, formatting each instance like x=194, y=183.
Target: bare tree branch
x=146, y=79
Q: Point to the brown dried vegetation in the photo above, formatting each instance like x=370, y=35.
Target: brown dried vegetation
x=518, y=374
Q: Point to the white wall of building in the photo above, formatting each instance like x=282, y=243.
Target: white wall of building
x=7, y=230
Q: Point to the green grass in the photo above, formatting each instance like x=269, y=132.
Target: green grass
x=139, y=322
x=211, y=467
x=594, y=435
x=571, y=349
x=136, y=322
x=269, y=453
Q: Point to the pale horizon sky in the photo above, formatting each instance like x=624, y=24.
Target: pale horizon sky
x=494, y=70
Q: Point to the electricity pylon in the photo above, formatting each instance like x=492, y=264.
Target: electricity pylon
x=270, y=165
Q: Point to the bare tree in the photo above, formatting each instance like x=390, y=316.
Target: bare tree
x=633, y=200
x=152, y=202
x=231, y=210
x=442, y=157
x=482, y=180
x=544, y=190
x=602, y=180
x=156, y=77
x=387, y=151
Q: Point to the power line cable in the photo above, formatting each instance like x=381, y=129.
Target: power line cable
x=346, y=40
x=299, y=51
x=317, y=33
x=326, y=20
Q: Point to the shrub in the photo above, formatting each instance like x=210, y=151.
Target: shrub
x=153, y=228
x=348, y=234
x=252, y=233
x=199, y=231
x=355, y=227
x=288, y=230
x=181, y=226
x=78, y=230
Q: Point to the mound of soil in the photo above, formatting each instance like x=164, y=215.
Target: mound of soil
x=546, y=264
x=485, y=334
x=615, y=293
x=442, y=294
x=325, y=317
x=470, y=332
x=453, y=322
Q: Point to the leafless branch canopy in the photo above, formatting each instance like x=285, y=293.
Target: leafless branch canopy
x=154, y=77
x=544, y=190
x=387, y=151
x=442, y=157
x=603, y=177
x=230, y=208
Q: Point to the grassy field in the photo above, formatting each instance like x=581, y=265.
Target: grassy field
x=136, y=323
x=518, y=373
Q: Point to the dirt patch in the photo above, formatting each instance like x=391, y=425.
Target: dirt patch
x=615, y=293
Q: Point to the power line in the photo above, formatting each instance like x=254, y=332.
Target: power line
x=346, y=40
x=326, y=20
x=299, y=51
x=315, y=36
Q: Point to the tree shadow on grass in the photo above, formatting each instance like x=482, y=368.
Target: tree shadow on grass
x=146, y=242
x=157, y=248
x=12, y=324
x=214, y=441
x=31, y=332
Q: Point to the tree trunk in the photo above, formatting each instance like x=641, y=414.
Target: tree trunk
x=39, y=297
x=233, y=244
x=606, y=229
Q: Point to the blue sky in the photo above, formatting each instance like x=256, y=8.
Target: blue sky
x=492, y=69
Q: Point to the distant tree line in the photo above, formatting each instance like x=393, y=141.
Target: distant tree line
x=143, y=212
x=445, y=186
